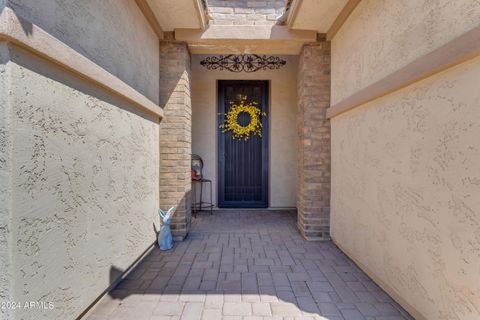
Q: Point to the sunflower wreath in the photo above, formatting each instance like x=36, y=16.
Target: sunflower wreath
x=238, y=131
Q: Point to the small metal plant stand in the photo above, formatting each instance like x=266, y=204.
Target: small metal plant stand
x=201, y=205
x=199, y=181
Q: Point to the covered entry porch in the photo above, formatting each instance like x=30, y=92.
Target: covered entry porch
x=290, y=167
x=372, y=126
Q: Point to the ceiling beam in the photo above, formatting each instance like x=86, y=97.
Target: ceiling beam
x=294, y=8
x=342, y=17
x=150, y=16
x=219, y=39
x=201, y=13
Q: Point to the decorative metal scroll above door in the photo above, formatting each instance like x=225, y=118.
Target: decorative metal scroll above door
x=243, y=62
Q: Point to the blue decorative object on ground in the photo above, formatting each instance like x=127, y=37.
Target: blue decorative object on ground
x=165, y=240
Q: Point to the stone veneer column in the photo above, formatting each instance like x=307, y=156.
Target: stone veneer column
x=176, y=135
x=313, y=198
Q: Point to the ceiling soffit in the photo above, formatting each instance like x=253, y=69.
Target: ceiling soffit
x=188, y=20
x=317, y=15
x=217, y=39
x=173, y=14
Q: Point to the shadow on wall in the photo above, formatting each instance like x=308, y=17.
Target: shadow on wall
x=26, y=26
x=56, y=73
x=115, y=274
x=174, y=85
x=171, y=88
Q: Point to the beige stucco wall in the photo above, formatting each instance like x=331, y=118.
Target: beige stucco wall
x=406, y=192
x=5, y=185
x=112, y=33
x=79, y=167
x=381, y=36
x=282, y=117
x=84, y=176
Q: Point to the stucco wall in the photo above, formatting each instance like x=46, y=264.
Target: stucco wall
x=84, y=186
x=5, y=185
x=79, y=167
x=381, y=36
x=112, y=33
x=282, y=117
x=406, y=191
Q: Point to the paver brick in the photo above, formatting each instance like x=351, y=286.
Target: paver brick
x=367, y=309
x=233, y=297
x=192, y=296
x=300, y=289
x=232, y=317
x=386, y=309
x=212, y=314
x=237, y=309
x=250, y=297
x=308, y=305
x=214, y=301
x=352, y=314
x=285, y=309
x=318, y=285
x=261, y=309
x=268, y=294
x=169, y=308
x=192, y=311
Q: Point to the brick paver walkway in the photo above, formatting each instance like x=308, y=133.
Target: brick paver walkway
x=247, y=265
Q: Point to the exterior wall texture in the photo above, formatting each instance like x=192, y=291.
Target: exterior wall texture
x=78, y=166
x=405, y=192
x=282, y=115
x=5, y=182
x=84, y=187
x=404, y=167
x=382, y=36
x=313, y=197
x=245, y=12
x=112, y=33
x=176, y=135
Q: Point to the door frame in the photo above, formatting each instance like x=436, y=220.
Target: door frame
x=265, y=84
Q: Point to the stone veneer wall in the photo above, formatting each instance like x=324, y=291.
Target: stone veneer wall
x=313, y=200
x=176, y=134
x=245, y=12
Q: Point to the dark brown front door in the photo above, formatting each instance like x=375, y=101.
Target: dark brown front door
x=243, y=165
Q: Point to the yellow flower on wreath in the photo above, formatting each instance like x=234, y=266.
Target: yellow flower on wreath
x=238, y=131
